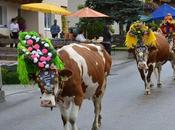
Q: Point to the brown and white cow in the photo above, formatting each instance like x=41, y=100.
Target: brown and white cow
x=171, y=41
x=84, y=77
x=151, y=58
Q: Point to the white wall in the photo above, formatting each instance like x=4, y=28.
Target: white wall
x=58, y=2
x=34, y=20
x=46, y=32
x=31, y=19
x=72, y=6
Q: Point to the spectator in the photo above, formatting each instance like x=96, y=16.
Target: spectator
x=14, y=29
x=80, y=37
x=55, y=29
x=71, y=34
x=107, y=39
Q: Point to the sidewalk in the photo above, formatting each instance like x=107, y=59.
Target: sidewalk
x=118, y=57
x=17, y=89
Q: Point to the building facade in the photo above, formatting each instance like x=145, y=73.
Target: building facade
x=73, y=7
x=35, y=21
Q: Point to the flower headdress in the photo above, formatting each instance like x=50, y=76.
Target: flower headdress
x=34, y=55
x=140, y=33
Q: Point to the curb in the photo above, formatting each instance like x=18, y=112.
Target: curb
x=2, y=96
x=122, y=63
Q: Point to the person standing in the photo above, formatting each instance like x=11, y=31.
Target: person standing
x=14, y=30
x=80, y=37
x=168, y=26
x=55, y=29
x=107, y=39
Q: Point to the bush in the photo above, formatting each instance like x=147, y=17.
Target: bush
x=93, y=27
x=9, y=75
x=154, y=26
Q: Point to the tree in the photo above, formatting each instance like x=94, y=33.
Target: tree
x=150, y=6
x=121, y=11
x=160, y=2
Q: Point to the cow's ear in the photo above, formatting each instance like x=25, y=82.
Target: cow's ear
x=65, y=74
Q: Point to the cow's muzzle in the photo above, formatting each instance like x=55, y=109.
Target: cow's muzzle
x=142, y=65
x=48, y=100
x=46, y=103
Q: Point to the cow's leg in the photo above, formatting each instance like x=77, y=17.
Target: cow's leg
x=73, y=116
x=159, y=68
x=142, y=74
x=65, y=116
x=97, y=110
x=97, y=107
x=173, y=71
x=151, y=82
x=76, y=104
x=148, y=80
x=173, y=67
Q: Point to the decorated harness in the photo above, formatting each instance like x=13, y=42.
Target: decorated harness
x=38, y=58
x=140, y=35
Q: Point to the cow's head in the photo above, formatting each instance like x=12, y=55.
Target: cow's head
x=141, y=55
x=53, y=85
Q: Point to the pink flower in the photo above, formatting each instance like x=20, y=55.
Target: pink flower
x=33, y=56
x=42, y=58
x=36, y=46
x=44, y=51
x=30, y=49
x=48, y=58
x=29, y=42
x=40, y=64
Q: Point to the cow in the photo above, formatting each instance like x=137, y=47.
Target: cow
x=171, y=42
x=83, y=77
x=149, y=58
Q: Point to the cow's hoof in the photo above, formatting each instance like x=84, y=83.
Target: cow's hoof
x=147, y=93
x=99, y=121
x=151, y=85
x=95, y=128
x=159, y=85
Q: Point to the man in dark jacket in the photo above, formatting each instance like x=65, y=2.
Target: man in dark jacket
x=55, y=29
x=107, y=39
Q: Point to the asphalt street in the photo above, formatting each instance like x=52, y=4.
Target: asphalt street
x=125, y=107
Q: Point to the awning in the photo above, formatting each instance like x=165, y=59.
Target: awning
x=87, y=12
x=162, y=11
x=45, y=8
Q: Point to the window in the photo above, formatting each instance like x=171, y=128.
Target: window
x=48, y=20
x=3, y=16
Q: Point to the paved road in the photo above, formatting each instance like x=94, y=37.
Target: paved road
x=125, y=107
